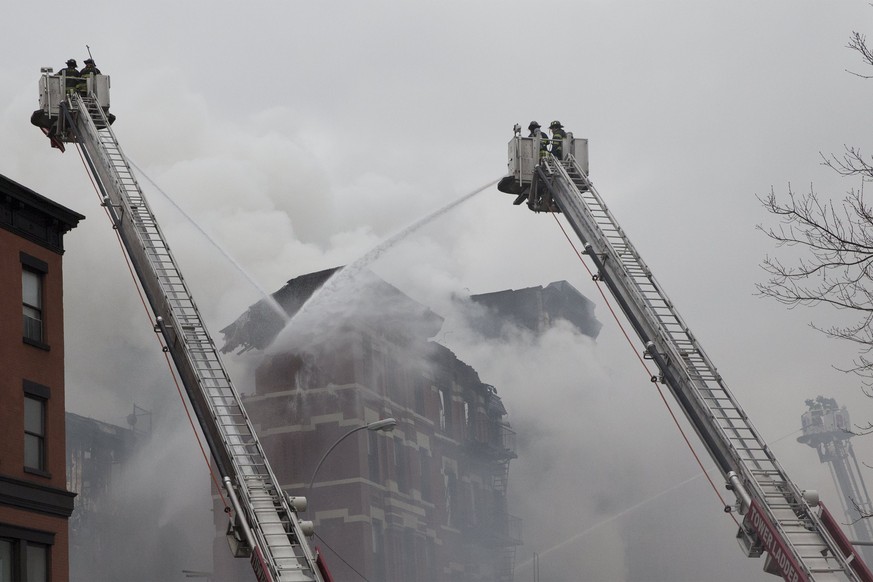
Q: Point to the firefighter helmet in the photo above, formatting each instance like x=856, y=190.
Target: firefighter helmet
x=533, y=125
x=555, y=125
x=71, y=63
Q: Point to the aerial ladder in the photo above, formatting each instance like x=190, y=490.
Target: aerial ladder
x=800, y=537
x=265, y=526
x=828, y=430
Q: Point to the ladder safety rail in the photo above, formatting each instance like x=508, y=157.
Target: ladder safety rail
x=779, y=518
x=274, y=535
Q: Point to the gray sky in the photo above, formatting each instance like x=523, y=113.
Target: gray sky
x=300, y=135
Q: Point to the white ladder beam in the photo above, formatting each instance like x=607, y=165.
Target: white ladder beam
x=275, y=527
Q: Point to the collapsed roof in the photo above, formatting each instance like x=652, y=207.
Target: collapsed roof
x=370, y=301
x=537, y=309
x=367, y=301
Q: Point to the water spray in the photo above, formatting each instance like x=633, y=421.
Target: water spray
x=271, y=302
x=603, y=522
x=344, y=275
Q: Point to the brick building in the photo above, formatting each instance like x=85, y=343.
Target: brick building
x=34, y=502
x=425, y=502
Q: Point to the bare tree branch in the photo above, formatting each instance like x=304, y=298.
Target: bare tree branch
x=862, y=513
x=851, y=163
x=835, y=242
x=858, y=42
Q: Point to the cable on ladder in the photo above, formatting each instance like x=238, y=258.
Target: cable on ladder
x=646, y=368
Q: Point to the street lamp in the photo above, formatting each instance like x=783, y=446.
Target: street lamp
x=385, y=424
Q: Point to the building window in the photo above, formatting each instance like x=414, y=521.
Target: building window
x=430, y=559
x=6, y=553
x=35, y=404
x=451, y=487
x=473, y=515
x=420, y=385
x=424, y=457
x=33, y=273
x=366, y=360
x=399, y=378
x=378, y=535
x=34, y=433
x=31, y=296
x=24, y=554
x=37, y=562
x=469, y=420
x=373, y=456
x=375, y=365
x=410, y=571
x=400, y=466
x=445, y=409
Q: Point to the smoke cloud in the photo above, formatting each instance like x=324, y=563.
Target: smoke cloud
x=301, y=136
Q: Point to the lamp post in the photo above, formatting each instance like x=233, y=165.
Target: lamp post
x=385, y=424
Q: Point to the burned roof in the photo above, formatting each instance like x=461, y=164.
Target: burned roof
x=367, y=300
x=537, y=309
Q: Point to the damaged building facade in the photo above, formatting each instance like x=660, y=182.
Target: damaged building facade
x=424, y=502
x=97, y=453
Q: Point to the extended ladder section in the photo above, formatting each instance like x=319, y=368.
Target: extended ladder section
x=266, y=526
x=801, y=540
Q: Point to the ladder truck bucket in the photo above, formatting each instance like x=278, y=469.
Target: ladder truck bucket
x=526, y=156
x=56, y=112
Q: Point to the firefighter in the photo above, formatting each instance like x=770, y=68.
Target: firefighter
x=535, y=131
x=72, y=74
x=90, y=68
x=558, y=135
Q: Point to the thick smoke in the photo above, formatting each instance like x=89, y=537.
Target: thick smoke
x=154, y=521
x=584, y=476
x=300, y=153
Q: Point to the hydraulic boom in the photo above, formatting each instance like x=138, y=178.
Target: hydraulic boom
x=265, y=525
x=801, y=539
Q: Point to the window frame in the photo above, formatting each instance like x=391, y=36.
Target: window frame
x=39, y=269
x=400, y=471
x=40, y=395
x=373, y=462
x=425, y=470
x=420, y=388
x=20, y=539
x=445, y=413
x=377, y=536
x=450, y=484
